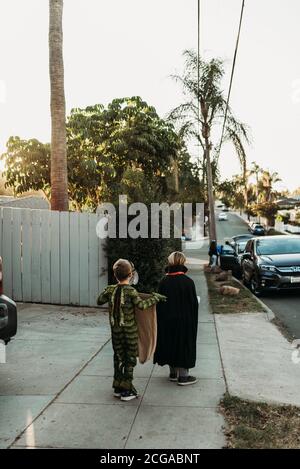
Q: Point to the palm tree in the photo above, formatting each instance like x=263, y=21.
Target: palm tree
x=266, y=185
x=257, y=170
x=208, y=98
x=59, y=174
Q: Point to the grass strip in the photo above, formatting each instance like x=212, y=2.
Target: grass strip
x=244, y=302
x=256, y=425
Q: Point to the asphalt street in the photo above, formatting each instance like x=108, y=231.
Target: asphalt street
x=285, y=305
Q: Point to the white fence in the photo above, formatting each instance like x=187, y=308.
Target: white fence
x=51, y=257
x=292, y=229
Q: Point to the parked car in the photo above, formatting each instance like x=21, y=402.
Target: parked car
x=272, y=263
x=231, y=255
x=239, y=242
x=257, y=229
x=222, y=216
x=229, y=259
x=8, y=313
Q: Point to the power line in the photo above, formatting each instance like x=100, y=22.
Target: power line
x=198, y=58
x=231, y=78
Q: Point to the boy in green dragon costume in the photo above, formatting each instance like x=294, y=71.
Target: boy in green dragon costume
x=122, y=299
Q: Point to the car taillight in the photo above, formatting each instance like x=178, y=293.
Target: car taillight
x=1, y=277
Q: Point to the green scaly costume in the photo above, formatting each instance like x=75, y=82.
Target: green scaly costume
x=122, y=300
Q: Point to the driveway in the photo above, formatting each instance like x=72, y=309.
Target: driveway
x=52, y=347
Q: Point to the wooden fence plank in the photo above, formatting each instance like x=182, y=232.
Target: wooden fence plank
x=74, y=258
x=7, y=251
x=16, y=256
x=65, y=258
x=84, y=259
x=45, y=256
x=26, y=217
x=103, y=272
x=36, y=282
x=93, y=260
x=55, y=258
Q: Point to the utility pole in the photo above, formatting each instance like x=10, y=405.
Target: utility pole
x=210, y=191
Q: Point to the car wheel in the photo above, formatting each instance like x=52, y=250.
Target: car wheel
x=254, y=286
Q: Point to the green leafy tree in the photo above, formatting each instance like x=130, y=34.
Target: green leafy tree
x=27, y=165
x=227, y=191
x=128, y=134
x=232, y=193
x=124, y=148
x=267, y=210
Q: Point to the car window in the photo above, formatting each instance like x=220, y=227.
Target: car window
x=227, y=249
x=277, y=246
x=241, y=246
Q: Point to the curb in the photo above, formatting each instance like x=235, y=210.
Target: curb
x=269, y=313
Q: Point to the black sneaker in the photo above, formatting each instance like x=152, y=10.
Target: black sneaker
x=129, y=395
x=117, y=392
x=186, y=380
x=172, y=377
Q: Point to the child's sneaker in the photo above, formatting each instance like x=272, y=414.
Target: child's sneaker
x=173, y=377
x=117, y=392
x=186, y=380
x=129, y=395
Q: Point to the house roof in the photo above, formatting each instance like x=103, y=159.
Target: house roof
x=287, y=201
x=33, y=202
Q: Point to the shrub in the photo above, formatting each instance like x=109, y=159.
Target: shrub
x=148, y=255
x=267, y=210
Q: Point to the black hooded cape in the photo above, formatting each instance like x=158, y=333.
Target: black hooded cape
x=177, y=321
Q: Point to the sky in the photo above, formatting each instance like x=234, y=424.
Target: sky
x=118, y=48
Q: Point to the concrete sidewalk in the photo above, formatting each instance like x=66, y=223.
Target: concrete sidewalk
x=259, y=363
x=80, y=411
x=55, y=390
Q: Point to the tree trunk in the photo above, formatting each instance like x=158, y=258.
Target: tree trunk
x=59, y=174
x=176, y=175
x=245, y=179
x=210, y=193
x=204, y=170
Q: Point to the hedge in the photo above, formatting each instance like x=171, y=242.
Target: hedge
x=148, y=255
